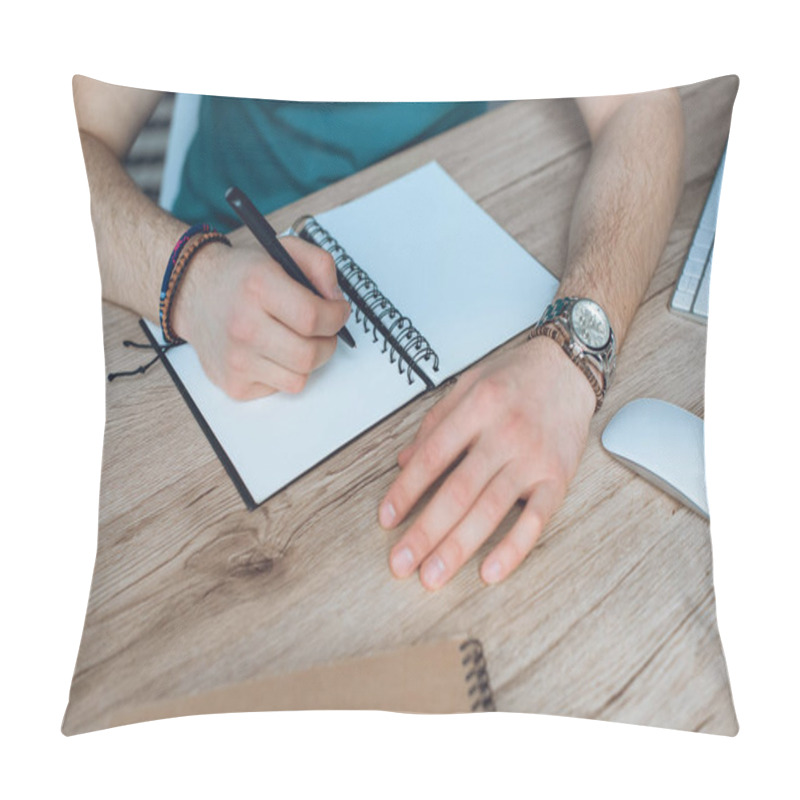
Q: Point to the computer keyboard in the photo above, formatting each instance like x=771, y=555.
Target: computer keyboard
x=690, y=297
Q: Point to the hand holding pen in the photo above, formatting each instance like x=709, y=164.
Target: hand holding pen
x=256, y=330
x=269, y=240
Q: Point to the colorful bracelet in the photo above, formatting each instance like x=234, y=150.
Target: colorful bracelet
x=186, y=250
x=201, y=227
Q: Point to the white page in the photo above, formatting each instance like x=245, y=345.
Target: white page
x=444, y=262
x=273, y=440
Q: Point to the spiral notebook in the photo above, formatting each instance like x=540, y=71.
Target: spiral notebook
x=435, y=284
x=444, y=677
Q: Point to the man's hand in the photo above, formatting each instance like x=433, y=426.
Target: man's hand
x=522, y=423
x=255, y=330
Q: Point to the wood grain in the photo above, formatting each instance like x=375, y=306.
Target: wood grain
x=612, y=616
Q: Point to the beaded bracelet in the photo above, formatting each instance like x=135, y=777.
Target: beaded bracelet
x=176, y=269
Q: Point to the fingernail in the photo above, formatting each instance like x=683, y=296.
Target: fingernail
x=402, y=562
x=387, y=515
x=433, y=571
x=491, y=572
x=338, y=293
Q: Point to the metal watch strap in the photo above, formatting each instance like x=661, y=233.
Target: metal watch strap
x=597, y=365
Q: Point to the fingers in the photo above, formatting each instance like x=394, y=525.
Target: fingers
x=519, y=442
x=522, y=538
x=260, y=350
x=253, y=391
x=317, y=264
x=447, y=442
x=250, y=376
x=433, y=418
x=301, y=310
x=439, y=549
x=298, y=308
x=271, y=339
x=279, y=332
x=455, y=549
x=459, y=492
x=255, y=329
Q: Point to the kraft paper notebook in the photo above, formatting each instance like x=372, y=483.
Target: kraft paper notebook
x=435, y=284
x=444, y=677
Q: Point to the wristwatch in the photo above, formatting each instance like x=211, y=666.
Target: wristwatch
x=581, y=328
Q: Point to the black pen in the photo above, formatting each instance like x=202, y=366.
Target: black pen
x=269, y=240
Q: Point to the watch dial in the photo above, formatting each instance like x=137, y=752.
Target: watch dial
x=590, y=324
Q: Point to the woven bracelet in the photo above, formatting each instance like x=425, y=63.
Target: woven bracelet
x=172, y=281
x=201, y=227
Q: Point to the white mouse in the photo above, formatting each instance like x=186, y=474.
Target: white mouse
x=664, y=444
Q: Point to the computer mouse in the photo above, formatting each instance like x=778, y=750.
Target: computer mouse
x=664, y=444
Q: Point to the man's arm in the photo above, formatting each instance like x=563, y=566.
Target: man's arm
x=255, y=330
x=626, y=203
x=523, y=421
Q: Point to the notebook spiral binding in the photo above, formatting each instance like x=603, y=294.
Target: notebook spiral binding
x=477, y=676
x=406, y=346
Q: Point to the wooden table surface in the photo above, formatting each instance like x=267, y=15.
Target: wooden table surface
x=611, y=617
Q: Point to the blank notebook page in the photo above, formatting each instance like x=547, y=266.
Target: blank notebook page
x=441, y=260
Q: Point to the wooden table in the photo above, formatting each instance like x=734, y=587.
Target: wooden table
x=612, y=616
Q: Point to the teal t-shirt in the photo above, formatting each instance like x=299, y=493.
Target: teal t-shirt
x=279, y=151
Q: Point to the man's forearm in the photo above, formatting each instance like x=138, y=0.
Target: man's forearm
x=255, y=330
x=134, y=236
x=626, y=203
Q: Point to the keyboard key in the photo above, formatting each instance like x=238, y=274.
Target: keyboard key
x=694, y=266
x=704, y=237
x=701, y=301
x=682, y=301
x=688, y=283
x=690, y=296
x=708, y=222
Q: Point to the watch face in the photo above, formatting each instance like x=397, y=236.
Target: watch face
x=590, y=324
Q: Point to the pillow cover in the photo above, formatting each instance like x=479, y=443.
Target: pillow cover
x=202, y=603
